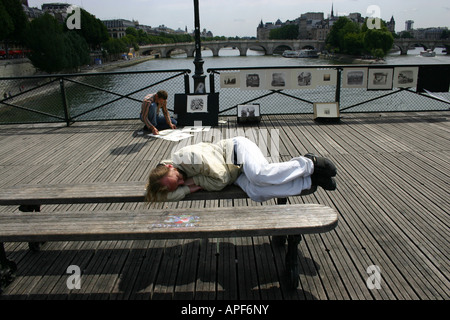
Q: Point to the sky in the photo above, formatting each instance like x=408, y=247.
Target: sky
x=241, y=17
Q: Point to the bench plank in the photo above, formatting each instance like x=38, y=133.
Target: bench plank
x=97, y=193
x=167, y=224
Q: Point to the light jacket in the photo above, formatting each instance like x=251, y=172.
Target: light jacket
x=210, y=165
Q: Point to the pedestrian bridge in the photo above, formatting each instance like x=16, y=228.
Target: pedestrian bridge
x=268, y=46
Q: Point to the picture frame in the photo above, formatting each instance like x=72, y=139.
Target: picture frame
x=380, y=79
x=278, y=79
x=326, y=77
x=354, y=78
x=253, y=80
x=230, y=80
x=303, y=79
x=405, y=77
x=326, y=111
x=197, y=104
x=248, y=113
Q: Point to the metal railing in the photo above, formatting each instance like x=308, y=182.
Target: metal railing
x=118, y=95
x=292, y=101
x=84, y=97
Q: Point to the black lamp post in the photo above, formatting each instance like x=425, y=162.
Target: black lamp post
x=199, y=77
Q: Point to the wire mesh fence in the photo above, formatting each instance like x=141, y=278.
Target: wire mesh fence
x=84, y=97
x=234, y=90
x=118, y=95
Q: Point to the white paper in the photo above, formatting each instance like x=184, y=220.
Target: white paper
x=171, y=135
x=196, y=129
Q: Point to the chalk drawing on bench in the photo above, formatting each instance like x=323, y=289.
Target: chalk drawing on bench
x=178, y=221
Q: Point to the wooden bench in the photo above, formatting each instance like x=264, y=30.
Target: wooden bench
x=281, y=221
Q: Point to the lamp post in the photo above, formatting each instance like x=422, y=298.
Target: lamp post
x=199, y=77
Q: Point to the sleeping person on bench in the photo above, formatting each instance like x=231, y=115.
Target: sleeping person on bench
x=213, y=166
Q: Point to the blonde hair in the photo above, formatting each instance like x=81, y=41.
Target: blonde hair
x=155, y=191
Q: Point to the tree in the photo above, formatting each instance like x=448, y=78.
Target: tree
x=91, y=29
x=353, y=43
x=13, y=22
x=348, y=37
x=378, y=41
x=45, y=39
x=6, y=23
x=285, y=32
x=52, y=49
x=76, y=50
x=334, y=36
x=114, y=46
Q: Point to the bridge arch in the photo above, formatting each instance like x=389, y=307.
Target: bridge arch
x=281, y=48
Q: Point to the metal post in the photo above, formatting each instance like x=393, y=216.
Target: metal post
x=64, y=101
x=212, y=88
x=186, y=84
x=199, y=77
x=338, y=86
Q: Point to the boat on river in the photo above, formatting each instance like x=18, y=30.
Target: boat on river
x=304, y=53
x=428, y=53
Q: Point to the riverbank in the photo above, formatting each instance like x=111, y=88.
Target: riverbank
x=113, y=65
x=24, y=67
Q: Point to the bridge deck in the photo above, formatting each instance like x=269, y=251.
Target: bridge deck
x=392, y=199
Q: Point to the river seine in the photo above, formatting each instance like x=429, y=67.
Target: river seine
x=230, y=58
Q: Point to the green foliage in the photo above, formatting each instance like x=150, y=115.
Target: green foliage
x=6, y=22
x=284, y=33
x=12, y=12
x=167, y=38
x=378, y=42
x=348, y=37
x=114, y=46
x=91, y=29
x=52, y=49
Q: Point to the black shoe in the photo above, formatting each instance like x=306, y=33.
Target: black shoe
x=309, y=191
x=322, y=166
x=327, y=183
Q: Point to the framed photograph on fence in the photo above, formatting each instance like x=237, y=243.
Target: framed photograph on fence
x=380, y=79
x=303, y=79
x=197, y=104
x=230, y=80
x=354, y=78
x=405, y=77
x=253, y=79
x=326, y=77
x=278, y=79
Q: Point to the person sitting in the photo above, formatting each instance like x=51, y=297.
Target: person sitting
x=239, y=161
x=154, y=122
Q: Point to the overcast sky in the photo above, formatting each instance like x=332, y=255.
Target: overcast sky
x=241, y=17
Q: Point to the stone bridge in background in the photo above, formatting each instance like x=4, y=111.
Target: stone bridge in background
x=268, y=46
x=271, y=46
x=404, y=44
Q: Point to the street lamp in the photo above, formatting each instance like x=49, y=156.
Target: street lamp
x=199, y=77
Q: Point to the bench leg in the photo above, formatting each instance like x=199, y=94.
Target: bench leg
x=292, y=260
x=34, y=246
x=7, y=269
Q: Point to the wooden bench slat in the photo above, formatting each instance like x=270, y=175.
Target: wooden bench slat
x=155, y=224
x=97, y=193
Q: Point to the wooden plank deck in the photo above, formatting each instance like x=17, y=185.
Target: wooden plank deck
x=392, y=199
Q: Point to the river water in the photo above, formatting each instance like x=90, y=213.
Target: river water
x=81, y=98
